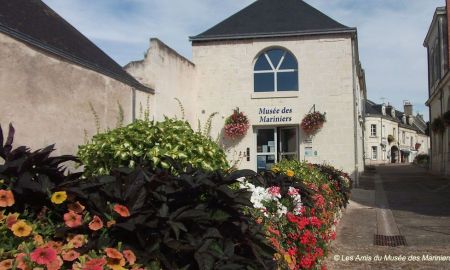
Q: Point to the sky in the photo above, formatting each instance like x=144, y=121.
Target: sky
x=390, y=34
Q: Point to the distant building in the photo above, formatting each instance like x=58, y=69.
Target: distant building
x=276, y=61
x=50, y=72
x=393, y=136
x=437, y=44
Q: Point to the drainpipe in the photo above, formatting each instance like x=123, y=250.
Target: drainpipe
x=381, y=143
x=355, y=117
x=133, y=104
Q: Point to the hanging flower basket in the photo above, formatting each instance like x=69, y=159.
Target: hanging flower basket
x=236, y=125
x=312, y=122
x=446, y=118
x=438, y=125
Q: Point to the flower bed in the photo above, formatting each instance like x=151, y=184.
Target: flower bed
x=299, y=205
x=148, y=217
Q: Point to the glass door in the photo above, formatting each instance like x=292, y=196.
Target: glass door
x=288, y=143
x=266, y=147
x=275, y=144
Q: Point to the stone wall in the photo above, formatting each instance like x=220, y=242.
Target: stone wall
x=47, y=98
x=171, y=75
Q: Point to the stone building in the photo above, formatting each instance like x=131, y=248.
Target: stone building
x=275, y=61
x=437, y=44
x=392, y=136
x=50, y=72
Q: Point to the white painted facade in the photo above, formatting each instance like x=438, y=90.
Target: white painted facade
x=437, y=44
x=220, y=79
x=390, y=141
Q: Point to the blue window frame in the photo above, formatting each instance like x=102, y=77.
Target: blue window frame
x=275, y=70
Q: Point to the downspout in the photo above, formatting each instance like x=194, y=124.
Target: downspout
x=381, y=143
x=355, y=117
x=133, y=104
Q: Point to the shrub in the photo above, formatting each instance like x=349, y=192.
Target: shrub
x=150, y=141
x=391, y=138
x=190, y=221
x=421, y=159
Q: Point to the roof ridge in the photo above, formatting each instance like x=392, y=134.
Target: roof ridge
x=270, y=18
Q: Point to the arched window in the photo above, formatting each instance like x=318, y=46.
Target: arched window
x=276, y=70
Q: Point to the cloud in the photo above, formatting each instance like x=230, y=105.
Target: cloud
x=390, y=34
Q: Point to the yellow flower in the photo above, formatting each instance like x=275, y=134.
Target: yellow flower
x=21, y=229
x=275, y=169
x=290, y=173
x=287, y=258
x=59, y=197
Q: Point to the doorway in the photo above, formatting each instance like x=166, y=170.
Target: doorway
x=274, y=144
x=394, y=154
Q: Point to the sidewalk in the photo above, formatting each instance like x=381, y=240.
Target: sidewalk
x=393, y=200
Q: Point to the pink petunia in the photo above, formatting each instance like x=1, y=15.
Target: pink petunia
x=43, y=256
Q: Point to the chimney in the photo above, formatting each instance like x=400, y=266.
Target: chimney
x=408, y=106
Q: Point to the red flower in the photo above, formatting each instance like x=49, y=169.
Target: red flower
x=43, y=255
x=6, y=198
x=11, y=220
x=100, y=262
x=129, y=256
x=308, y=239
x=292, y=251
x=316, y=222
x=72, y=219
x=70, y=255
x=96, y=224
x=121, y=210
x=307, y=262
x=274, y=231
x=77, y=207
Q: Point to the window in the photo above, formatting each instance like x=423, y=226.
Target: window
x=276, y=70
x=373, y=130
x=374, y=153
x=403, y=137
x=412, y=142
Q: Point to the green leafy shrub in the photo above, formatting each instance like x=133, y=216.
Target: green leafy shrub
x=391, y=138
x=422, y=159
x=153, y=141
x=189, y=221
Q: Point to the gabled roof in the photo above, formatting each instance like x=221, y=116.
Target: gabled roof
x=274, y=18
x=33, y=22
x=375, y=110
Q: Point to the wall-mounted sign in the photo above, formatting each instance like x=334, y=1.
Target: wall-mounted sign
x=275, y=115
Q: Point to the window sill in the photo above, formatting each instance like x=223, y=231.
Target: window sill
x=267, y=95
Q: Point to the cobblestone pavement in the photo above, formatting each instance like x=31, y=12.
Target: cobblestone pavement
x=419, y=209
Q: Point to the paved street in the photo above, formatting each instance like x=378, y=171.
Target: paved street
x=400, y=200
